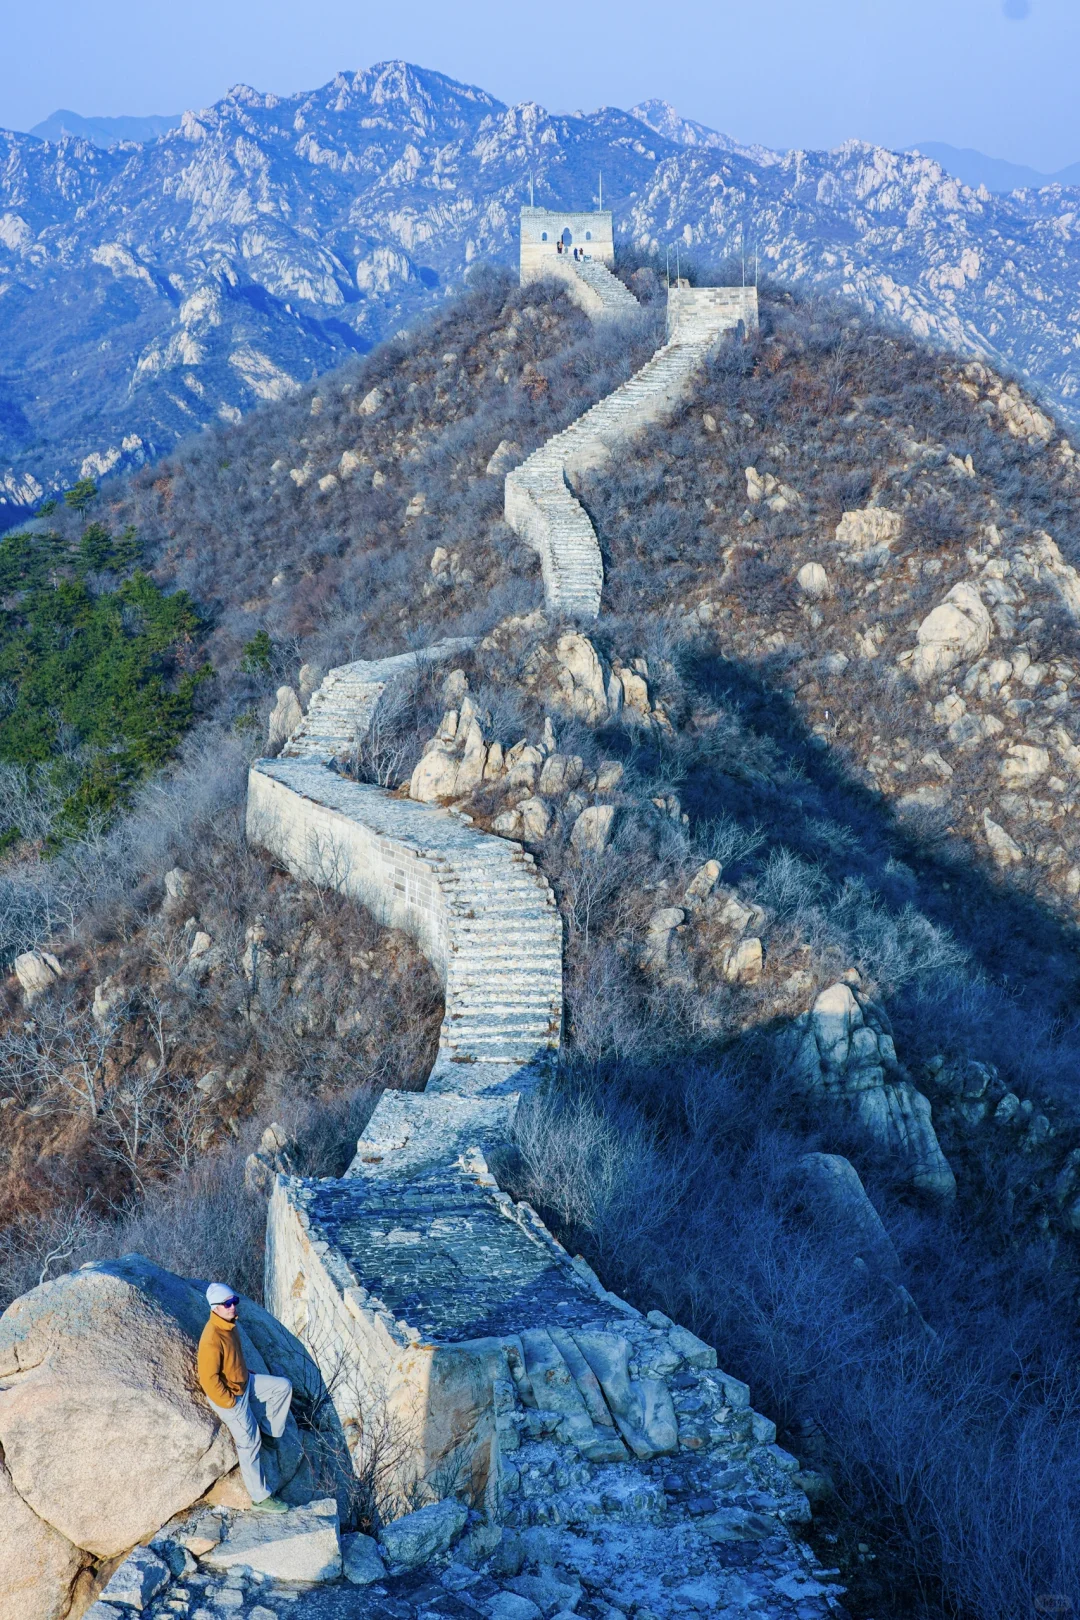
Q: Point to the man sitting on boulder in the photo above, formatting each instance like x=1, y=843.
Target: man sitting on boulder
x=249, y=1404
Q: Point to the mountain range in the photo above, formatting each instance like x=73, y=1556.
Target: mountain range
x=148, y=290
x=996, y=174
x=106, y=132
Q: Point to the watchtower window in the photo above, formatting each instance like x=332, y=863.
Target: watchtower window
x=588, y=236
x=567, y=237
x=543, y=236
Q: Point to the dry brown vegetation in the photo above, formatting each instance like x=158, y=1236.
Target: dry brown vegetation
x=672, y=1129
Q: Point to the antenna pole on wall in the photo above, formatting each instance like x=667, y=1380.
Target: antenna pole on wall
x=532, y=197
x=678, y=271
x=667, y=267
x=601, y=210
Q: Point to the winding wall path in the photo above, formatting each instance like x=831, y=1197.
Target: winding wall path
x=539, y=503
x=454, y=1310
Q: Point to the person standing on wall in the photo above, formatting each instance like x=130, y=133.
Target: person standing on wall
x=251, y=1406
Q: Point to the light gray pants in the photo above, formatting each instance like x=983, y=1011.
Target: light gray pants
x=262, y=1409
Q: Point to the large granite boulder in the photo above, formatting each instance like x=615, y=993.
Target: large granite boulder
x=37, y=1565
x=104, y=1431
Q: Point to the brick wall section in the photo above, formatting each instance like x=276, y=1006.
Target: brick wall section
x=477, y=906
x=539, y=504
x=443, y=1316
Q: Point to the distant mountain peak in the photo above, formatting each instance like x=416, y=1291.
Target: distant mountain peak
x=104, y=132
x=996, y=174
x=662, y=117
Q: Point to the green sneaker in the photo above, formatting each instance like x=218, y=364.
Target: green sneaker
x=270, y=1504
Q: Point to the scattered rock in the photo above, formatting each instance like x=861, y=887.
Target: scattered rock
x=1023, y=764
x=560, y=773
x=108, y=996
x=813, y=581
x=956, y=631
x=418, y=1536
x=661, y=926
x=702, y=883
x=506, y=455
x=138, y=1580
x=275, y=1155
x=37, y=971
x=535, y=816
x=836, y=1196
x=360, y=1561
x=744, y=962
x=581, y=678
x=177, y=887
x=301, y=1545
x=869, y=528
x=285, y=716
x=511, y=1606
x=1005, y=850
x=592, y=829
x=370, y=402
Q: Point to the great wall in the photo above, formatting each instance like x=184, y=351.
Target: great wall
x=512, y=1378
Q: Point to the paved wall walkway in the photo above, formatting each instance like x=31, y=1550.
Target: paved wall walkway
x=539, y=504
x=499, y=1368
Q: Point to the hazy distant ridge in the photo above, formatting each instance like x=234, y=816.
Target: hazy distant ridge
x=106, y=132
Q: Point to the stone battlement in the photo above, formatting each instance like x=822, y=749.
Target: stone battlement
x=701, y=313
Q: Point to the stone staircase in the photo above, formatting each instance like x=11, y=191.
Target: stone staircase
x=614, y=299
x=478, y=904
x=342, y=710
x=539, y=504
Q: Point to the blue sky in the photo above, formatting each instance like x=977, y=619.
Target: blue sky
x=995, y=74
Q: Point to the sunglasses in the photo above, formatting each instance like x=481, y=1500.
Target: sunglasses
x=227, y=1303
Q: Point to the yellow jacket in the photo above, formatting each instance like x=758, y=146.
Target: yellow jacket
x=223, y=1371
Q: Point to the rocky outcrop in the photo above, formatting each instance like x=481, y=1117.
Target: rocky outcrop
x=843, y=1055
x=836, y=1197
x=104, y=1432
x=37, y=972
x=957, y=631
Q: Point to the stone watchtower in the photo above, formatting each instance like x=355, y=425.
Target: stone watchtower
x=550, y=236
x=580, y=250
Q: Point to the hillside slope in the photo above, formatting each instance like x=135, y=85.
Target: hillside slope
x=791, y=912
x=146, y=291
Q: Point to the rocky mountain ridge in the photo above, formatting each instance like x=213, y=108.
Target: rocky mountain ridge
x=149, y=290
